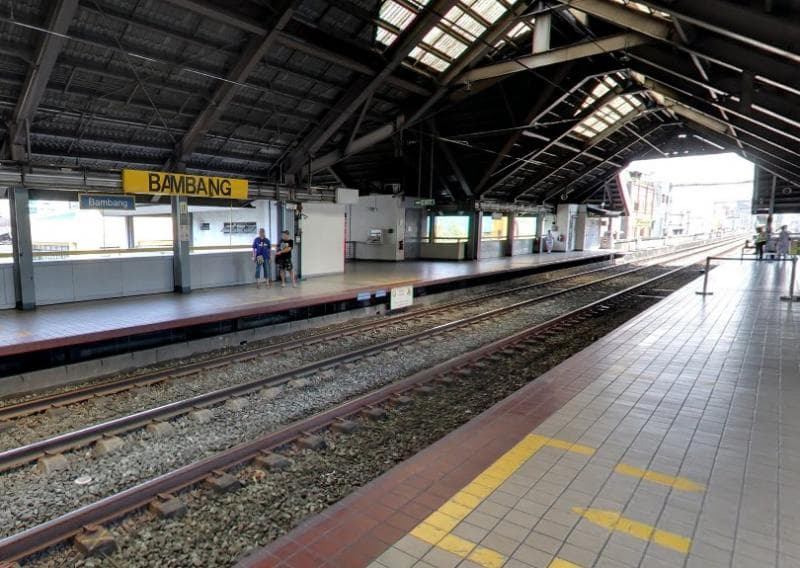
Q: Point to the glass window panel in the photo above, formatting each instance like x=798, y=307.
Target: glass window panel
x=61, y=226
x=5, y=232
x=492, y=228
x=152, y=231
x=450, y=228
x=526, y=227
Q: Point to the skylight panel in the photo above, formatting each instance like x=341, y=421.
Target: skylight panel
x=607, y=115
x=642, y=8
x=396, y=15
x=518, y=30
x=460, y=27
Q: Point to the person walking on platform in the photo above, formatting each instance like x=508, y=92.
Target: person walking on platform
x=761, y=240
x=283, y=259
x=261, y=250
x=784, y=239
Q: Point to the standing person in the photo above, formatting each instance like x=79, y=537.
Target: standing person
x=548, y=241
x=283, y=259
x=761, y=240
x=261, y=250
x=784, y=239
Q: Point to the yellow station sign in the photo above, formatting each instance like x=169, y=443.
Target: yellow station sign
x=167, y=183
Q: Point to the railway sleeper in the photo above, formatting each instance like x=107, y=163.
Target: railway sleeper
x=107, y=445
x=56, y=411
x=272, y=462
x=237, y=403
x=201, y=415
x=345, y=426
x=168, y=507
x=50, y=463
x=374, y=413
x=270, y=393
x=222, y=482
x=311, y=442
x=95, y=540
x=160, y=429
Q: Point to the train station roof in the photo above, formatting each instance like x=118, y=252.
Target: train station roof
x=525, y=101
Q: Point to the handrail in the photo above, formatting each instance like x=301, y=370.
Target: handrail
x=790, y=298
x=118, y=251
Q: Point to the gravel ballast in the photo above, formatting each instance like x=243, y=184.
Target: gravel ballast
x=219, y=529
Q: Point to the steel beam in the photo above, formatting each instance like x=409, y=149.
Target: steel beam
x=757, y=28
x=724, y=86
x=623, y=17
x=710, y=123
x=360, y=90
x=304, y=46
x=251, y=57
x=619, y=150
x=765, y=129
x=474, y=53
x=214, y=11
x=466, y=190
x=36, y=82
x=533, y=114
x=717, y=50
x=588, y=111
x=630, y=117
x=554, y=56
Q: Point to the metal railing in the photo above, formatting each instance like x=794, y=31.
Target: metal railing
x=41, y=253
x=790, y=298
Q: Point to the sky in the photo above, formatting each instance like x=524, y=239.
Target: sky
x=733, y=174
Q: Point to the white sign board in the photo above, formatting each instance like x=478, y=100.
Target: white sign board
x=402, y=297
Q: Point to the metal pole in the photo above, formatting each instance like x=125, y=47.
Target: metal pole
x=791, y=297
x=181, y=243
x=22, y=248
x=705, y=291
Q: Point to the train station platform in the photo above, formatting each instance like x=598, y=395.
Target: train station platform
x=69, y=333
x=674, y=441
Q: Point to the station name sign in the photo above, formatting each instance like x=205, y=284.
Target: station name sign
x=101, y=201
x=188, y=185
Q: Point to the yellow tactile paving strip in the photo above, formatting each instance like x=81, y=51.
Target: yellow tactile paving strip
x=437, y=528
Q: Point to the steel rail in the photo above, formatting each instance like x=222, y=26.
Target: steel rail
x=16, y=457
x=21, y=455
x=62, y=528
x=42, y=404
x=82, y=394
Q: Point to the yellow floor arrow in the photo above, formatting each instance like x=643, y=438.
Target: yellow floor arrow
x=614, y=521
x=679, y=483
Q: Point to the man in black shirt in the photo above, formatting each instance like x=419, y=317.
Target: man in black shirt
x=283, y=258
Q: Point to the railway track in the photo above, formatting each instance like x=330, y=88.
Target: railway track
x=108, y=387
x=21, y=455
x=62, y=528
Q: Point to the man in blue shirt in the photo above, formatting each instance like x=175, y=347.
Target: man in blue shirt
x=261, y=250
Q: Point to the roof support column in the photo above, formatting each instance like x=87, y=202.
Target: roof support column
x=511, y=234
x=541, y=32
x=474, y=239
x=22, y=248
x=181, y=241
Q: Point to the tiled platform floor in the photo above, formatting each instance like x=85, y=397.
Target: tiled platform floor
x=672, y=442
x=66, y=324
